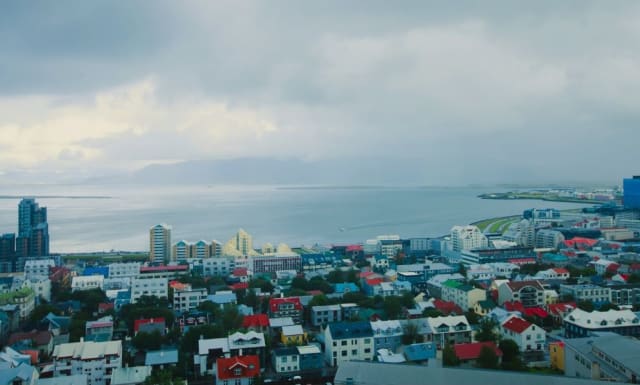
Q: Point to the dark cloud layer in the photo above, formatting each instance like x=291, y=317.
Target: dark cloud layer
x=464, y=92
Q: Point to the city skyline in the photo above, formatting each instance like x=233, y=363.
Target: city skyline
x=427, y=94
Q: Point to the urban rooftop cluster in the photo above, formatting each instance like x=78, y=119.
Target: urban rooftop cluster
x=553, y=292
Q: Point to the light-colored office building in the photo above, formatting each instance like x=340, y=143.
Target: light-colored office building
x=157, y=287
x=160, y=244
x=468, y=238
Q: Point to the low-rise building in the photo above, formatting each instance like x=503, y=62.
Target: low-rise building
x=133, y=375
x=449, y=330
x=285, y=360
x=188, y=299
x=286, y=307
x=156, y=287
x=469, y=353
x=87, y=282
x=100, y=330
x=95, y=359
x=527, y=336
x=239, y=370
x=587, y=293
x=387, y=334
x=218, y=267
x=529, y=293
x=346, y=341
x=322, y=315
x=603, y=356
x=465, y=296
x=580, y=323
x=293, y=334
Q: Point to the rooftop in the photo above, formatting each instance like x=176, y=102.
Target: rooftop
x=372, y=373
x=345, y=330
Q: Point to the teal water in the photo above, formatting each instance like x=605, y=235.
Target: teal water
x=296, y=216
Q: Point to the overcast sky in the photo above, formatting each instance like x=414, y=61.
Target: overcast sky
x=454, y=93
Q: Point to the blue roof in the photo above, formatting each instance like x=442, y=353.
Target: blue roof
x=123, y=295
x=420, y=352
x=288, y=351
x=345, y=330
x=96, y=270
x=161, y=357
x=221, y=298
x=554, y=257
x=347, y=287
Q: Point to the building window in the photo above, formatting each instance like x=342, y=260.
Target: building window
x=344, y=353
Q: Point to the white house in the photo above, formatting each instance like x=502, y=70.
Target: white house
x=157, y=287
x=450, y=329
x=87, y=282
x=346, y=341
x=528, y=336
x=97, y=360
x=38, y=267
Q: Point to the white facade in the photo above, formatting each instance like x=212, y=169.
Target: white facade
x=87, y=282
x=124, y=270
x=348, y=346
x=450, y=329
x=220, y=267
x=41, y=286
x=526, y=335
x=522, y=233
x=96, y=360
x=38, y=267
x=467, y=238
x=549, y=238
x=601, y=265
x=160, y=243
x=150, y=287
x=464, y=296
x=189, y=299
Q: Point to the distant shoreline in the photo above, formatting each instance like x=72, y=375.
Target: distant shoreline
x=55, y=196
x=529, y=196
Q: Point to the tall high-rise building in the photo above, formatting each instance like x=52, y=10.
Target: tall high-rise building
x=631, y=197
x=33, y=229
x=7, y=252
x=467, y=238
x=241, y=245
x=160, y=244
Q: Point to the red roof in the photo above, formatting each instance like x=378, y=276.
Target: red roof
x=34, y=354
x=275, y=302
x=104, y=306
x=472, y=351
x=561, y=308
x=147, y=269
x=177, y=285
x=536, y=312
x=39, y=337
x=561, y=270
x=255, y=320
x=239, y=286
x=513, y=306
x=612, y=268
x=139, y=322
x=315, y=292
x=366, y=274
x=447, y=307
x=239, y=272
x=522, y=261
x=517, y=324
x=352, y=248
x=249, y=367
x=374, y=281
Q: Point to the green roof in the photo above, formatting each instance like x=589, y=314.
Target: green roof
x=451, y=283
x=12, y=295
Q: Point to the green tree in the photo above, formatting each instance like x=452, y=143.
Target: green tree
x=148, y=341
x=229, y=318
x=300, y=283
x=336, y=276
x=262, y=284
x=486, y=331
x=411, y=334
x=511, y=355
x=432, y=312
x=488, y=359
x=449, y=357
x=392, y=306
x=586, y=306
x=189, y=343
x=472, y=317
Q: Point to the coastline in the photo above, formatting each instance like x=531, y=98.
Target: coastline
x=530, y=196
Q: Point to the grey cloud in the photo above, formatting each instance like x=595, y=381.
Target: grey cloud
x=461, y=91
